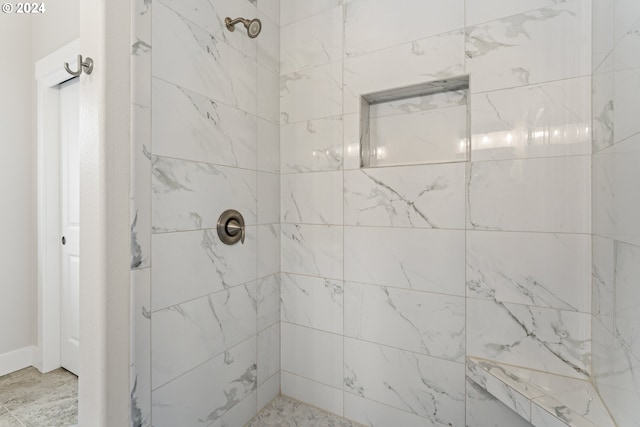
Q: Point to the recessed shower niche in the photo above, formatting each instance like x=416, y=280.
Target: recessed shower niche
x=419, y=124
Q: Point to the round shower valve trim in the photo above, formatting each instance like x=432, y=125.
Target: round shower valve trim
x=231, y=227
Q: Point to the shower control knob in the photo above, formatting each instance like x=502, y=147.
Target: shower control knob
x=231, y=227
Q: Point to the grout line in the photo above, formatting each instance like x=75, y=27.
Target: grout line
x=345, y=337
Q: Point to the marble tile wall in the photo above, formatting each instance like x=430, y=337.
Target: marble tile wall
x=616, y=236
x=361, y=291
x=206, y=316
x=395, y=274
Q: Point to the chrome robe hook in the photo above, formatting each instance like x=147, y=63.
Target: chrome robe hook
x=86, y=66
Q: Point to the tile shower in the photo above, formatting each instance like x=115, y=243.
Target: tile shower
x=363, y=290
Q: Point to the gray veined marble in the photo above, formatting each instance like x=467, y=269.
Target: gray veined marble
x=186, y=335
x=552, y=274
x=314, y=250
x=430, y=196
x=521, y=49
x=313, y=302
x=178, y=187
x=206, y=393
x=208, y=131
x=219, y=71
x=428, y=387
x=426, y=323
x=539, y=397
x=554, y=341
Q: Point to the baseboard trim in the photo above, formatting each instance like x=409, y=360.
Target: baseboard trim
x=17, y=359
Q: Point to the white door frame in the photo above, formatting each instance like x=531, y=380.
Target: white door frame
x=49, y=74
x=105, y=144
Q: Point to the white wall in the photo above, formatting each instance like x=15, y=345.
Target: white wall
x=17, y=186
x=23, y=41
x=56, y=27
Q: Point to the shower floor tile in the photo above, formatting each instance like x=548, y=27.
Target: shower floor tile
x=286, y=412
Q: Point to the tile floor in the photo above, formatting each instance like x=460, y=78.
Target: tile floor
x=287, y=412
x=31, y=399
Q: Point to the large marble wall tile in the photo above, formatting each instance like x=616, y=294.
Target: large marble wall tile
x=517, y=399
x=190, y=126
x=268, y=301
x=616, y=192
x=432, y=136
x=484, y=410
x=140, y=206
x=268, y=146
x=615, y=373
x=312, y=146
x=210, y=15
x=192, y=264
x=627, y=304
x=141, y=53
x=419, y=103
x=314, y=250
x=217, y=70
x=626, y=52
x=268, y=391
x=271, y=8
x=524, y=49
x=351, y=141
x=622, y=404
x=310, y=42
x=627, y=14
x=312, y=392
x=204, y=394
x=479, y=11
x=140, y=348
x=551, y=119
x=602, y=100
x=550, y=340
x=268, y=106
x=268, y=198
x=603, y=281
x=540, y=269
x=268, y=249
x=371, y=26
x=313, y=354
x=313, y=302
x=616, y=359
x=420, y=61
x=186, y=335
x=426, y=323
x=603, y=33
x=374, y=414
x=627, y=85
x=269, y=44
x=431, y=196
x=295, y=10
x=425, y=386
x=548, y=194
x=240, y=414
x=189, y=195
x=424, y=260
x=311, y=94
x=268, y=353
x=312, y=198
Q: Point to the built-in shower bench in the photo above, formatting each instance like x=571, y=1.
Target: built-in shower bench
x=543, y=399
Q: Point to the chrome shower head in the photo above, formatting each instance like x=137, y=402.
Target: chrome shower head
x=253, y=26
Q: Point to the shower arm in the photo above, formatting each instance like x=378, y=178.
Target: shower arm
x=230, y=23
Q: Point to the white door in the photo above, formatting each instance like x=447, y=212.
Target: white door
x=70, y=216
